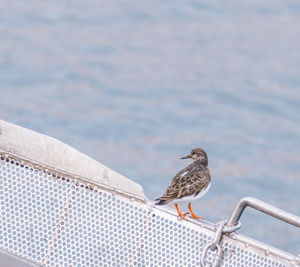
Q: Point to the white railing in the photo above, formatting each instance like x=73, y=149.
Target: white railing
x=61, y=208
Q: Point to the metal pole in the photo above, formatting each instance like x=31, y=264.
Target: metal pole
x=263, y=207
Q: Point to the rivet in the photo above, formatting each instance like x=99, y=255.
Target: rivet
x=233, y=236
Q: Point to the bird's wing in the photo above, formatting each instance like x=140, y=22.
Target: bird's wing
x=180, y=175
x=189, y=184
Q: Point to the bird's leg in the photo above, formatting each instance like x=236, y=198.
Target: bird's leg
x=193, y=215
x=180, y=214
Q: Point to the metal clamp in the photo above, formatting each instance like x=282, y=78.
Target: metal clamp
x=263, y=207
x=221, y=228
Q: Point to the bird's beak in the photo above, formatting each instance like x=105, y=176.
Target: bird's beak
x=187, y=157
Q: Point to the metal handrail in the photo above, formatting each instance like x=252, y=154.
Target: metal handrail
x=263, y=207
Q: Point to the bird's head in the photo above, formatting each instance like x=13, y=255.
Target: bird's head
x=198, y=154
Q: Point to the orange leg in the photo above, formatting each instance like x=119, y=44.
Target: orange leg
x=180, y=214
x=192, y=213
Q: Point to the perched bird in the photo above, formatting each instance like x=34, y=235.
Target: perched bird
x=189, y=184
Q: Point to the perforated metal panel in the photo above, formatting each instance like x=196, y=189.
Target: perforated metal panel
x=60, y=221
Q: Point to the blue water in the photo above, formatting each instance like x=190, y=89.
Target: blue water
x=136, y=85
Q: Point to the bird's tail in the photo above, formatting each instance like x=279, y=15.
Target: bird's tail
x=162, y=202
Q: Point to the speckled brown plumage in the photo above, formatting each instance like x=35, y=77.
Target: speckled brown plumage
x=197, y=179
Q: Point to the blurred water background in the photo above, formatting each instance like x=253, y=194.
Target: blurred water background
x=138, y=84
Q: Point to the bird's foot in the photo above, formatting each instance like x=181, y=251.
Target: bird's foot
x=182, y=215
x=193, y=215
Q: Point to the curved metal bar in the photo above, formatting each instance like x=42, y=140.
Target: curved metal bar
x=263, y=207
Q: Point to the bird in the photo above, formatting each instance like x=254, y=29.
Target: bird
x=189, y=184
